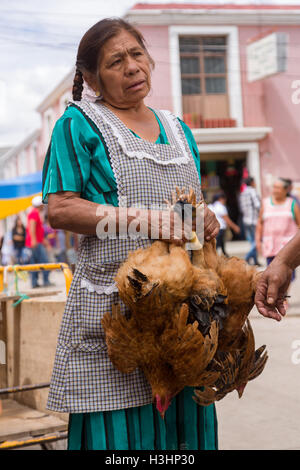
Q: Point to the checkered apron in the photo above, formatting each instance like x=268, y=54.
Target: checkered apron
x=84, y=379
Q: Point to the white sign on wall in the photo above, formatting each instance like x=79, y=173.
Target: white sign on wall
x=266, y=56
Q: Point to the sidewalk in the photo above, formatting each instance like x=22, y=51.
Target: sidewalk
x=267, y=415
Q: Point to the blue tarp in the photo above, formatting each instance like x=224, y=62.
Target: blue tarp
x=21, y=186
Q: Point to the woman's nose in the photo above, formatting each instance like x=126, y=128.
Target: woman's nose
x=131, y=66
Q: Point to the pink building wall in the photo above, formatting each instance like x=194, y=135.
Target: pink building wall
x=269, y=102
x=157, y=41
x=266, y=102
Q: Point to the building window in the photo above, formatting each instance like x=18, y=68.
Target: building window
x=203, y=66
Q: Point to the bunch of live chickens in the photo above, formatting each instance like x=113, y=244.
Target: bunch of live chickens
x=189, y=323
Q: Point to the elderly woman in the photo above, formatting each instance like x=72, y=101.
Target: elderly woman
x=110, y=153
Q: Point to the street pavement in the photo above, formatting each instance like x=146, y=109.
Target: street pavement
x=268, y=414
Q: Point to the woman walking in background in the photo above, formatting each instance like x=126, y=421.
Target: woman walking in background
x=278, y=221
x=250, y=206
x=18, y=238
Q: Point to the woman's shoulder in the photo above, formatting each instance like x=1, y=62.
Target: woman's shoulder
x=72, y=112
x=73, y=121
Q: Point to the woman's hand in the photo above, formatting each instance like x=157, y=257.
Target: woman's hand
x=271, y=289
x=180, y=232
x=211, y=225
x=167, y=225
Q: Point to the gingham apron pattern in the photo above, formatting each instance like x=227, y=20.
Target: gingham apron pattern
x=83, y=378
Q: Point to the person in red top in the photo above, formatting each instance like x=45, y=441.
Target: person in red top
x=34, y=240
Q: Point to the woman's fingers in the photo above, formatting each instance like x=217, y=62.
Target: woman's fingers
x=211, y=225
x=260, y=302
x=213, y=232
x=271, y=290
x=172, y=228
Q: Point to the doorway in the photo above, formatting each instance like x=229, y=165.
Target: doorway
x=224, y=172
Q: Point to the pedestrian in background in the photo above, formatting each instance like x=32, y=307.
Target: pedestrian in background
x=7, y=250
x=219, y=208
x=289, y=189
x=61, y=246
x=1, y=244
x=278, y=221
x=250, y=206
x=18, y=238
x=35, y=240
x=50, y=240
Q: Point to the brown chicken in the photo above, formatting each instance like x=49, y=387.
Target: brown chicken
x=171, y=355
x=235, y=358
x=187, y=323
x=236, y=369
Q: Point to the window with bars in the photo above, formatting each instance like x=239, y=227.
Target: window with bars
x=203, y=65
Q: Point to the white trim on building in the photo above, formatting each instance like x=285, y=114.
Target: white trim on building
x=231, y=134
x=48, y=124
x=233, y=61
x=8, y=160
x=67, y=96
x=57, y=92
x=217, y=16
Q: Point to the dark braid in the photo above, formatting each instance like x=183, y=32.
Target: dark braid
x=77, y=85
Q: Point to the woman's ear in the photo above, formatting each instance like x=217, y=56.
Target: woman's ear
x=91, y=80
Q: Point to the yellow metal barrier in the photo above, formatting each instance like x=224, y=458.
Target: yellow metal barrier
x=6, y=445
x=36, y=267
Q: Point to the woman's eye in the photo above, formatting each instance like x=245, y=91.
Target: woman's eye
x=116, y=62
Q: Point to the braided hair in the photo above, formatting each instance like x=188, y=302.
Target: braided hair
x=88, y=54
x=77, y=85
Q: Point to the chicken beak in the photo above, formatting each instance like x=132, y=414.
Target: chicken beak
x=195, y=240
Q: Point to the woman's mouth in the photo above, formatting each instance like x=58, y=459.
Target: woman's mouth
x=136, y=85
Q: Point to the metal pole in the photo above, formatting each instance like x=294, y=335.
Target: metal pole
x=23, y=388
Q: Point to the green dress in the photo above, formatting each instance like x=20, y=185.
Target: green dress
x=69, y=166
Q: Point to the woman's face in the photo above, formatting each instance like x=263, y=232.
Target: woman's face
x=124, y=71
x=278, y=190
